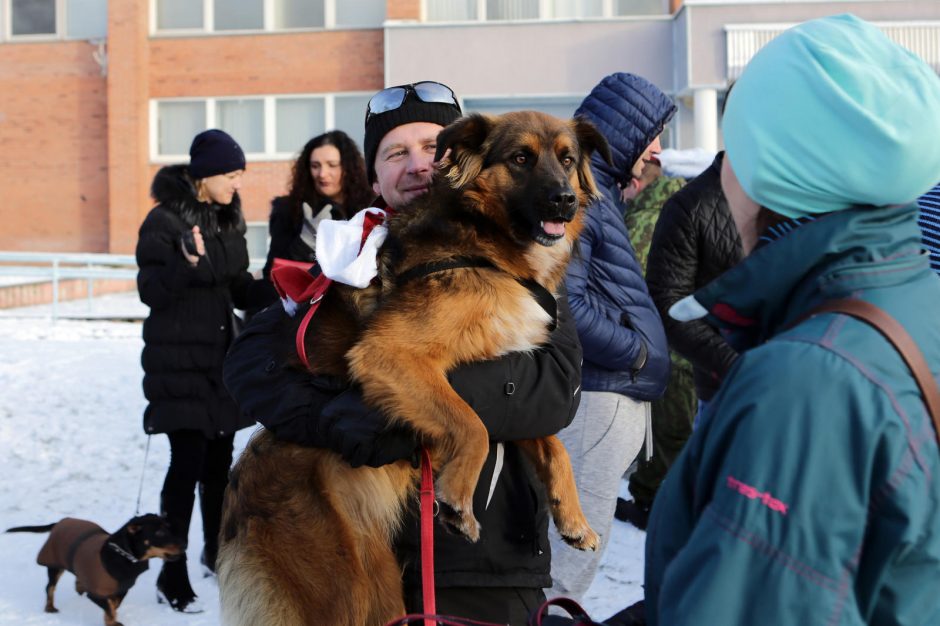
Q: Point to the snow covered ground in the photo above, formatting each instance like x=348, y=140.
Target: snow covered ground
x=71, y=444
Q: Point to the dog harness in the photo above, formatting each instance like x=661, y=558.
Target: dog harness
x=76, y=545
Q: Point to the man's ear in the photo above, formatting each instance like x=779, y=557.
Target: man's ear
x=464, y=140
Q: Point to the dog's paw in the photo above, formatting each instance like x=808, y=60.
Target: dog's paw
x=582, y=538
x=459, y=521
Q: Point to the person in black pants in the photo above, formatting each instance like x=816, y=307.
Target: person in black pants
x=193, y=261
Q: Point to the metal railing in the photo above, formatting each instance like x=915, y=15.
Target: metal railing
x=56, y=267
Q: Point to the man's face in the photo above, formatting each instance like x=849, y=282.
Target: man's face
x=404, y=163
x=650, y=154
x=743, y=209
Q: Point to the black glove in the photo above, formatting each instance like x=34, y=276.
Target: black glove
x=362, y=435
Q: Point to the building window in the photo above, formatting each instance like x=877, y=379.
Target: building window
x=506, y=10
x=86, y=19
x=56, y=19
x=32, y=17
x=298, y=119
x=266, y=127
x=239, y=14
x=222, y=16
x=179, y=14
x=177, y=123
x=349, y=115
x=359, y=13
x=300, y=14
x=53, y=19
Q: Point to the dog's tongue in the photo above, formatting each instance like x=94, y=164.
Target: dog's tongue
x=554, y=228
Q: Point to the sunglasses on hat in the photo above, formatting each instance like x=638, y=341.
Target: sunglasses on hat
x=393, y=97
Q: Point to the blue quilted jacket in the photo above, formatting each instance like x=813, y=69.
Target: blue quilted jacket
x=617, y=322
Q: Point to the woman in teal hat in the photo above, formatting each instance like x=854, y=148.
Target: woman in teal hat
x=811, y=492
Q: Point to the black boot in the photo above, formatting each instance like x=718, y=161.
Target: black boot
x=211, y=496
x=173, y=588
x=633, y=512
x=210, y=504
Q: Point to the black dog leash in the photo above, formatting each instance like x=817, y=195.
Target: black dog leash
x=542, y=295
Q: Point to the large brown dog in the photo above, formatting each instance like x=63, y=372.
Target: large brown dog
x=305, y=537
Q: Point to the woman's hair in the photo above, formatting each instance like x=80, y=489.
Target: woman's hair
x=357, y=194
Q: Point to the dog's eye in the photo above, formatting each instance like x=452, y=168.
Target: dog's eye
x=521, y=158
x=567, y=161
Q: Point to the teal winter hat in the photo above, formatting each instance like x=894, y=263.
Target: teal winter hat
x=833, y=114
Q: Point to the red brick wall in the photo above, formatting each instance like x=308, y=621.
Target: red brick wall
x=341, y=60
x=53, y=142
x=128, y=130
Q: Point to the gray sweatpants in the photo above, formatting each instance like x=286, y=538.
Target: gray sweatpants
x=603, y=440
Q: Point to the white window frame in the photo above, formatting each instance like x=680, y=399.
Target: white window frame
x=270, y=152
x=61, y=25
x=545, y=12
x=208, y=22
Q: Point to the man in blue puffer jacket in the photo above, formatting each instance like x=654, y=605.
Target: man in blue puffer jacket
x=626, y=356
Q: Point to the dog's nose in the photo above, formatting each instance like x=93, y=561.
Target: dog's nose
x=563, y=200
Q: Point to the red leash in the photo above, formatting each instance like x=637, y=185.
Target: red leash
x=302, y=282
x=427, y=536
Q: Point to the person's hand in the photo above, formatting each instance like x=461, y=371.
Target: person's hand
x=362, y=435
x=193, y=246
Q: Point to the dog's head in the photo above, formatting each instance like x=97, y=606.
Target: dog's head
x=149, y=536
x=528, y=167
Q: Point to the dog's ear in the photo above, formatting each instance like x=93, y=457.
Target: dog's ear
x=459, y=149
x=590, y=140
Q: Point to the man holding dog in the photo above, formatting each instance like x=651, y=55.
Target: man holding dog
x=520, y=396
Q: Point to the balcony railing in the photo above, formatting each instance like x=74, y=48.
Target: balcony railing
x=744, y=40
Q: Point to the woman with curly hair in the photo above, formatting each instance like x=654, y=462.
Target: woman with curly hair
x=328, y=181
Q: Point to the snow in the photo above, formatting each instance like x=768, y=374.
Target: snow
x=72, y=444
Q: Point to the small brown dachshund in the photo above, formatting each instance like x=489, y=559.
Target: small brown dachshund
x=105, y=565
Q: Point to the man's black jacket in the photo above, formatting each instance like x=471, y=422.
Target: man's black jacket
x=694, y=242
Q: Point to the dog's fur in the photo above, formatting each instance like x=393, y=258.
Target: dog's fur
x=307, y=537
x=105, y=566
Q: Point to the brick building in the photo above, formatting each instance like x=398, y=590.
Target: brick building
x=96, y=95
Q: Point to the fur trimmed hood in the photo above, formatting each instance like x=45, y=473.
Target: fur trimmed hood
x=175, y=191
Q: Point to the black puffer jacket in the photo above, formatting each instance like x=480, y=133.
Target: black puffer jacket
x=694, y=242
x=187, y=332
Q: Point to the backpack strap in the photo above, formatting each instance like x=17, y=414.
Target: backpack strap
x=892, y=330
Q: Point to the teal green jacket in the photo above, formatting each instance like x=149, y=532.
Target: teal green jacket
x=811, y=492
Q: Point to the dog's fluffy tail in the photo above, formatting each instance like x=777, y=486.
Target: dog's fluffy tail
x=30, y=529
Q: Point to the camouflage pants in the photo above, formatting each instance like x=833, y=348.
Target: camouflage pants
x=672, y=417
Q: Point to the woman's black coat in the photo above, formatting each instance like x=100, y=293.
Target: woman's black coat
x=188, y=330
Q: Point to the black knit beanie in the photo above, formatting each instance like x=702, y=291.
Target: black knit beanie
x=214, y=152
x=412, y=109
